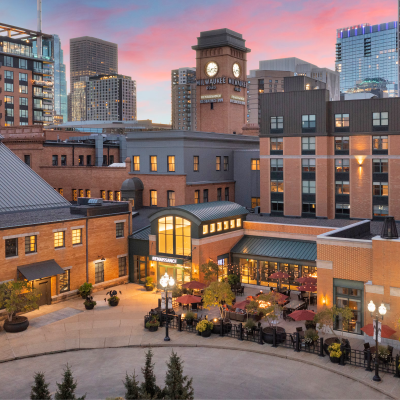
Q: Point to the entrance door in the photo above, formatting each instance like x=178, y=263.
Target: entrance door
x=141, y=272
x=44, y=287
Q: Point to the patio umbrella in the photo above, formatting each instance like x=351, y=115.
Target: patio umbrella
x=307, y=280
x=279, y=275
x=307, y=288
x=188, y=299
x=386, y=332
x=194, y=285
x=242, y=305
x=302, y=315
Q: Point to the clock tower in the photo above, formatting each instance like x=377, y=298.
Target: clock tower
x=221, y=67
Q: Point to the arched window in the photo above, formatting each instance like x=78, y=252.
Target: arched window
x=174, y=236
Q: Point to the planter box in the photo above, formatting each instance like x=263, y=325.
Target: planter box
x=89, y=307
x=334, y=360
x=18, y=324
x=206, y=333
x=113, y=303
x=153, y=328
x=267, y=334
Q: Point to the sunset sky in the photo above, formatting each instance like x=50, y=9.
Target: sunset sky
x=155, y=36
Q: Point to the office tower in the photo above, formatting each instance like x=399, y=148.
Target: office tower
x=183, y=99
x=269, y=78
x=111, y=98
x=60, y=83
x=367, y=58
x=27, y=75
x=89, y=57
x=78, y=99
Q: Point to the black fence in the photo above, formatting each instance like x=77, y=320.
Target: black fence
x=358, y=358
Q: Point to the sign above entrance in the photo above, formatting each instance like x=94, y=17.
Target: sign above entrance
x=168, y=260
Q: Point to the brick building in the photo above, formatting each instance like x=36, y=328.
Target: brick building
x=53, y=244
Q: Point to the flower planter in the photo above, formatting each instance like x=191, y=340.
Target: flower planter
x=18, y=324
x=310, y=325
x=113, y=303
x=153, y=328
x=206, y=333
x=189, y=322
x=149, y=288
x=267, y=334
x=89, y=306
x=335, y=360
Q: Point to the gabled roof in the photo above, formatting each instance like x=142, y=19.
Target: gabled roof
x=22, y=189
x=276, y=248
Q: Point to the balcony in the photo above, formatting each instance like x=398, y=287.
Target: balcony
x=38, y=70
x=37, y=94
x=48, y=95
x=23, y=52
x=37, y=117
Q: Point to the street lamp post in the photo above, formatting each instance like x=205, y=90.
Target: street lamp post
x=382, y=312
x=166, y=282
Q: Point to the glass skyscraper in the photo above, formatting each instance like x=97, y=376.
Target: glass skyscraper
x=60, y=82
x=367, y=58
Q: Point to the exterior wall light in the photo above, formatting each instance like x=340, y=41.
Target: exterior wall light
x=360, y=160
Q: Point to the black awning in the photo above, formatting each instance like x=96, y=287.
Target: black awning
x=40, y=270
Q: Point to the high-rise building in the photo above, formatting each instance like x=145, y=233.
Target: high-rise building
x=27, y=77
x=183, y=99
x=367, y=58
x=90, y=56
x=60, y=83
x=111, y=98
x=78, y=100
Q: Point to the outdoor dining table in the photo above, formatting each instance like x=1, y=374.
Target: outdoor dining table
x=293, y=305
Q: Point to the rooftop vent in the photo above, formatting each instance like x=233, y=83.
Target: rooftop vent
x=95, y=202
x=389, y=230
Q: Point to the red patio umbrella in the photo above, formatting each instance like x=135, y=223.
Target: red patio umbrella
x=302, y=315
x=386, y=332
x=242, y=305
x=307, y=280
x=188, y=299
x=194, y=285
x=279, y=275
x=307, y=288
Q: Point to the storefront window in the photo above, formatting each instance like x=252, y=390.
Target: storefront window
x=223, y=262
x=248, y=271
x=182, y=239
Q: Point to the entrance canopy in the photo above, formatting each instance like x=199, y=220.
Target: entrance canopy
x=40, y=270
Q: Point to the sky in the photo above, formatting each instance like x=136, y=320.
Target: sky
x=155, y=36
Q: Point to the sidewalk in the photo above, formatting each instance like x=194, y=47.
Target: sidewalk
x=107, y=327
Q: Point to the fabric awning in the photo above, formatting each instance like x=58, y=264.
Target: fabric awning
x=41, y=269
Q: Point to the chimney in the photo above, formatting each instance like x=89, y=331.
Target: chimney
x=389, y=229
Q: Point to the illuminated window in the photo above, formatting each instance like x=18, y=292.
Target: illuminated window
x=80, y=192
x=277, y=185
x=181, y=228
x=59, y=239
x=118, y=196
x=255, y=202
x=110, y=195
x=64, y=280
x=255, y=164
x=342, y=120
x=196, y=163
x=76, y=236
x=379, y=142
x=226, y=225
x=219, y=226
x=232, y=223
x=212, y=228
x=74, y=195
x=103, y=194
x=196, y=196
x=87, y=192
x=238, y=222
x=205, y=229
x=30, y=244
x=342, y=187
x=276, y=144
x=171, y=163
x=61, y=191
x=341, y=143
x=308, y=164
x=153, y=163
x=341, y=165
x=218, y=163
x=136, y=163
x=153, y=197
x=380, y=189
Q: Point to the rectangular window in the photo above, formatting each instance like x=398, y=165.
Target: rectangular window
x=117, y=196
x=153, y=197
x=11, y=247
x=308, y=164
x=76, y=236
x=23, y=113
x=277, y=206
x=9, y=112
x=59, y=239
x=170, y=198
x=136, y=163
x=23, y=89
x=342, y=187
x=196, y=163
x=74, y=195
x=219, y=226
x=30, y=244
x=80, y=192
x=308, y=208
x=9, y=99
x=23, y=77
x=238, y=222
x=61, y=191
x=308, y=143
x=232, y=223
x=276, y=123
x=80, y=160
x=153, y=163
x=255, y=202
x=27, y=159
x=309, y=187
x=308, y=121
x=219, y=194
x=8, y=87
x=119, y=229
x=196, y=196
x=8, y=75
x=205, y=229
x=212, y=228
x=276, y=144
x=255, y=164
x=342, y=208
x=277, y=186
x=8, y=61
x=104, y=161
x=381, y=211
x=122, y=266
x=103, y=194
x=205, y=196
x=380, y=142
x=23, y=64
x=111, y=195
x=64, y=281
x=276, y=164
x=218, y=163
x=226, y=225
x=380, y=119
x=342, y=165
x=380, y=189
x=111, y=159
x=23, y=101
x=342, y=143
x=380, y=166
x=88, y=193
x=227, y=194
x=64, y=160
x=171, y=163
x=99, y=272
x=226, y=163
x=342, y=120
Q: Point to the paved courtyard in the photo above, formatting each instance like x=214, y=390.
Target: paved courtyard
x=68, y=326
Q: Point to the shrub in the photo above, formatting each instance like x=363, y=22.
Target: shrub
x=189, y=316
x=89, y=301
x=85, y=289
x=334, y=350
x=66, y=389
x=149, y=281
x=233, y=279
x=132, y=387
x=149, y=389
x=153, y=322
x=250, y=324
x=40, y=390
x=204, y=325
x=310, y=336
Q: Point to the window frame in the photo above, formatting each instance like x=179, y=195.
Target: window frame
x=68, y=286
x=276, y=124
x=380, y=162
x=171, y=163
x=226, y=163
x=122, y=266
x=278, y=183
x=76, y=236
x=196, y=163
x=308, y=187
x=255, y=164
x=381, y=187
x=218, y=163
x=341, y=123
x=205, y=195
x=343, y=142
x=153, y=199
x=307, y=164
x=153, y=165
x=119, y=230
x=342, y=185
x=136, y=163
x=274, y=141
x=170, y=192
x=28, y=244
x=11, y=244
x=227, y=194
x=308, y=124
x=197, y=200
x=377, y=116
x=382, y=141
x=57, y=239
x=307, y=143
x=219, y=194
x=344, y=168
x=278, y=167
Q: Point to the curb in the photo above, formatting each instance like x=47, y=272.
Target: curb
x=210, y=347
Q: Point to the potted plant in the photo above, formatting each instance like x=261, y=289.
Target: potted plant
x=249, y=326
x=89, y=303
x=85, y=290
x=334, y=352
x=384, y=354
x=233, y=279
x=310, y=337
x=15, y=297
x=189, y=318
x=149, y=285
x=153, y=324
x=204, y=327
x=311, y=325
x=113, y=300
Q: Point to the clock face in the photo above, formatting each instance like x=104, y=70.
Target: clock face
x=236, y=70
x=211, y=69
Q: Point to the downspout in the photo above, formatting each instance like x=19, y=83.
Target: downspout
x=87, y=251
x=73, y=155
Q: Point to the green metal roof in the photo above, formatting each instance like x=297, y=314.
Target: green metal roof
x=276, y=248
x=142, y=234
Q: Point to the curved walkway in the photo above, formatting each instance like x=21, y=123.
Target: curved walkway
x=217, y=374
x=122, y=326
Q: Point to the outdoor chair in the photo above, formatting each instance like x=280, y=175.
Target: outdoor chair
x=300, y=297
x=390, y=350
x=293, y=341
